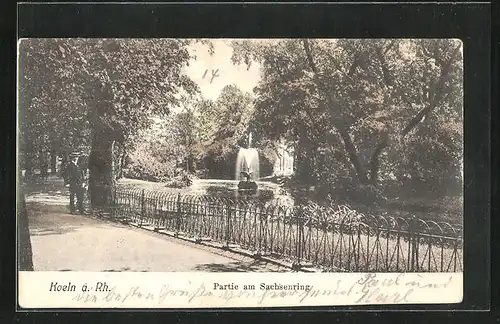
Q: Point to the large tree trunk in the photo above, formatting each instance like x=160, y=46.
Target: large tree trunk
x=28, y=158
x=336, y=117
x=353, y=155
x=303, y=161
x=375, y=160
x=190, y=163
x=101, y=179
x=437, y=95
x=42, y=162
x=121, y=163
x=53, y=162
x=24, y=251
x=118, y=150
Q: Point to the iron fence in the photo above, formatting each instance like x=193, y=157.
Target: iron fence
x=335, y=238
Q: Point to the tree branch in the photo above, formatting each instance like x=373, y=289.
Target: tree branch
x=436, y=98
x=388, y=79
x=336, y=121
x=438, y=95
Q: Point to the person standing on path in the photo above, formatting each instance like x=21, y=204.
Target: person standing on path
x=76, y=181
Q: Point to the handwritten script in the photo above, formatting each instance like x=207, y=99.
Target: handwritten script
x=367, y=289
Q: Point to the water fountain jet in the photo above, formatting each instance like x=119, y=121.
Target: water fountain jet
x=247, y=167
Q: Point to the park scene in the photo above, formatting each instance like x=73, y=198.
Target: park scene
x=248, y=155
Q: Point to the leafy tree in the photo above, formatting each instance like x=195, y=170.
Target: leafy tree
x=120, y=84
x=344, y=103
x=186, y=129
x=157, y=152
x=223, y=128
x=226, y=121
x=207, y=124
x=51, y=116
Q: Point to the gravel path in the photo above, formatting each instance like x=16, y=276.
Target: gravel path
x=65, y=242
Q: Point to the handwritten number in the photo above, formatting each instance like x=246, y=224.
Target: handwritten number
x=215, y=73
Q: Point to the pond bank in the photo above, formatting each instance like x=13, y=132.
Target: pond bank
x=446, y=210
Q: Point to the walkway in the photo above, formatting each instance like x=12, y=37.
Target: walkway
x=65, y=242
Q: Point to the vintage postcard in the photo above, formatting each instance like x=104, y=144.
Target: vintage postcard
x=213, y=173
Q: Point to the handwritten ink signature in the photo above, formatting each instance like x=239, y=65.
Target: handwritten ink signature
x=369, y=289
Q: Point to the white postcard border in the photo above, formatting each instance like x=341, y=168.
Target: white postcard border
x=155, y=290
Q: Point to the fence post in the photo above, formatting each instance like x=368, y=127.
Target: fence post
x=416, y=248
x=113, y=203
x=143, y=198
x=178, y=215
x=298, y=249
x=413, y=245
x=228, y=224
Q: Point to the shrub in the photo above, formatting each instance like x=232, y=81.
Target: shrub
x=182, y=180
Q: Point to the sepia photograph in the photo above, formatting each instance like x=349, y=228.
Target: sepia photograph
x=223, y=155
x=240, y=155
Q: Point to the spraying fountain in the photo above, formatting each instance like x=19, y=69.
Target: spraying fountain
x=247, y=167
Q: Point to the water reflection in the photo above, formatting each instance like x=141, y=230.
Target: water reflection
x=266, y=193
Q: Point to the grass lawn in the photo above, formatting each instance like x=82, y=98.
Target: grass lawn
x=126, y=183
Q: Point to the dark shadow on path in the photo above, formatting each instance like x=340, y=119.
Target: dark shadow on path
x=45, y=220
x=61, y=230
x=255, y=266
x=53, y=185
x=53, y=192
x=117, y=270
x=126, y=269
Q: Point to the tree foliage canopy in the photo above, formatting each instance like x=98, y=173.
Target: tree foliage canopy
x=109, y=86
x=358, y=112
x=362, y=108
x=224, y=123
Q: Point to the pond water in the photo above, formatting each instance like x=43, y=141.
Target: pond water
x=267, y=192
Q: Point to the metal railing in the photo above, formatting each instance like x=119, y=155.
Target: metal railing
x=335, y=238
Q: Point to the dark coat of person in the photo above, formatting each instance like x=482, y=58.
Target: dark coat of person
x=76, y=180
x=74, y=175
